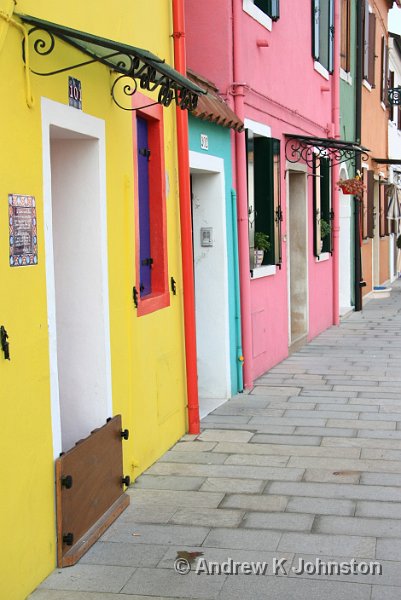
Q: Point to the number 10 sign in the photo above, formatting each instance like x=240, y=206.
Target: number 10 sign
x=75, y=92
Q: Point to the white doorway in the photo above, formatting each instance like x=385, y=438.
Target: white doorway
x=76, y=272
x=211, y=280
x=297, y=236
x=345, y=247
x=376, y=237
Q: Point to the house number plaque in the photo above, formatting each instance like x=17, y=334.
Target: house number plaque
x=22, y=230
x=74, y=93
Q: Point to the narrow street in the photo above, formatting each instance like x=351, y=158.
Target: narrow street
x=307, y=466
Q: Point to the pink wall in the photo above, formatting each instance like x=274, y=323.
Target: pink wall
x=285, y=92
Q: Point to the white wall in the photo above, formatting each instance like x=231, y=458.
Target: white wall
x=81, y=348
x=211, y=284
x=345, y=246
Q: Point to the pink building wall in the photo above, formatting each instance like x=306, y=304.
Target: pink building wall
x=284, y=91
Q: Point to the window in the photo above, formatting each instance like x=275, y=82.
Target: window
x=384, y=67
x=346, y=35
x=264, y=203
x=370, y=208
x=383, y=206
x=323, y=32
x=269, y=7
x=323, y=214
x=369, y=38
x=151, y=238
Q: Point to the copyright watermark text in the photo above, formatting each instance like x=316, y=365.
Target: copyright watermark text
x=278, y=566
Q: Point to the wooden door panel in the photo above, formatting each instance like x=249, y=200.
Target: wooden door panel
x=89, y=490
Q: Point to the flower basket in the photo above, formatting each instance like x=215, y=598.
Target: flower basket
x=352, y=186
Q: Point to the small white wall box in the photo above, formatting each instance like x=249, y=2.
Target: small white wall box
x=206, y=234
x=204, y=141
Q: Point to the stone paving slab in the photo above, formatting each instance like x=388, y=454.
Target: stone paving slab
x=306, y=465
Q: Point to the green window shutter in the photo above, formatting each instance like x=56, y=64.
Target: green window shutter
x=371, y=205
x=277, y=211
x=267, y=200
x=331, y=36
x=269, y=7
x=275, y=9
x=264, y=192
x=366, y=40
x=325, y=200
x=315, y=28
x=316, y=207
x=249, y=139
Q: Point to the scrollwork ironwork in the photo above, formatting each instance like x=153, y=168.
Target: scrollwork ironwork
x=308, y=150
x=134, y=71
x=128, y=89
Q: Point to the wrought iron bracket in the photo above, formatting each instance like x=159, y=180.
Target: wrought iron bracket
x=132, y=67
x=311, y=149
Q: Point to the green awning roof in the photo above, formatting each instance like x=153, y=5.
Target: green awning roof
x=139, y=64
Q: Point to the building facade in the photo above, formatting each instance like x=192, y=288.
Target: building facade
x=91, y=218
x=282, y=92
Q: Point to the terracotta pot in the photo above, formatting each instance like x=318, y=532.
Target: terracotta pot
x=258, y=257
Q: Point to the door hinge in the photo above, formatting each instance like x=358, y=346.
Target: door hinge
x=5, y=346
x=144, y=152
x=147, y=262
x=135, y=296
x=173, y=286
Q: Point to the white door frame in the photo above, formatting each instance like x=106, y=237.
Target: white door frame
x=296, y=168
x=206, y=164
x=60, y=115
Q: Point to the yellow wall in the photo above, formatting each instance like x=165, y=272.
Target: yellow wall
x=148, y=369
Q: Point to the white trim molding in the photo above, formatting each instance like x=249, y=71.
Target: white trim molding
x=258, y=128
x=263, y=271
x=66, y=117
x=253, y=11
x=321, y=70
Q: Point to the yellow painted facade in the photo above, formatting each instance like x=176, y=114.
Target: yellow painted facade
x=147, y=353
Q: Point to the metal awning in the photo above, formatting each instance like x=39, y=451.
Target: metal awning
x=308, y=149
x=135, y=65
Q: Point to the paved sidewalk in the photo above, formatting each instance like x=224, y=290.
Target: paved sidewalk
x=307, y=465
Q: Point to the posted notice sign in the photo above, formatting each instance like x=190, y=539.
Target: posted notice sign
x=23, y=230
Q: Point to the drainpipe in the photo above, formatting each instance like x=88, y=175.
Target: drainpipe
x=186, y=226
x=335, y=90
x=239, y=356
x=242, y=202
x=358, y=277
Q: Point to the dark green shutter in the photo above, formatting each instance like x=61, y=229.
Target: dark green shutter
x=371, y=205
x=268, y=215
x=325, y=194
x=331, y=36
x=269, y=7
x=316, y=206
x=315, y=28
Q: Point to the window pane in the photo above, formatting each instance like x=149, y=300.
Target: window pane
x=324, y=24
x=144, y=212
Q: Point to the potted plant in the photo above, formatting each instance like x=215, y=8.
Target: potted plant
x=325, y=230
x=261, y=245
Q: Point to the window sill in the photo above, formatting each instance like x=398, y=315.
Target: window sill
x=257, y=14
x=322, y=257
x=264, y=271
x=346, y=76
x=367, y=85
x=321, y=70
x=153, y=302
